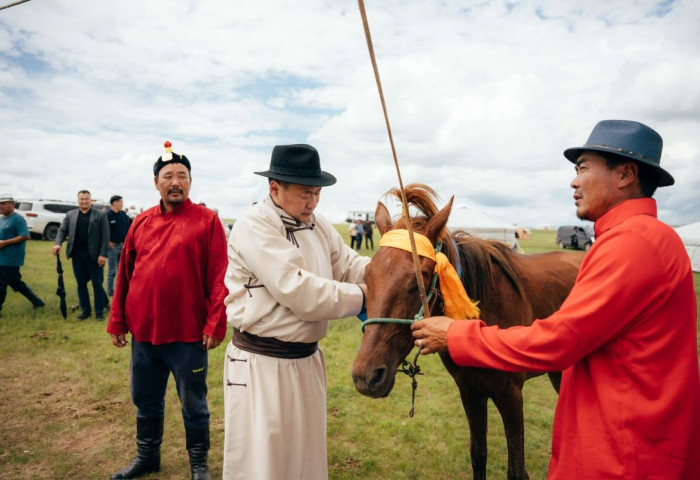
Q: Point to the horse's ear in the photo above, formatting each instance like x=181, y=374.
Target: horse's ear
x=382, y=218
x=438, y=222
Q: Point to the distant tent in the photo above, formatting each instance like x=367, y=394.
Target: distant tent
x=690, y=234
x=481, y=224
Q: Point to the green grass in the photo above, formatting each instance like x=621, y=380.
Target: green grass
x=66, y=410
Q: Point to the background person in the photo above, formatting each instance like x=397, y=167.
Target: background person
x=625, y=338
x=352, y=231
x=13, y=246
x=369, y=234
x=574, y=238
x=170, y=295
x=119, y=223
x=87, y=230
x=289, y=273
x=360, y=233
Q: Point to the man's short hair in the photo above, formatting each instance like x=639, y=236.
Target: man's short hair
x=648, y=177
x=282, y=183
x=84, y=191
x=114, y=198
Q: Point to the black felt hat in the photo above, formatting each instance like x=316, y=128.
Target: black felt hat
x=170, y=157
x=298, y=164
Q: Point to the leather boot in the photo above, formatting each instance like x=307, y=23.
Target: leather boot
x=149, y=436
x=198, y=450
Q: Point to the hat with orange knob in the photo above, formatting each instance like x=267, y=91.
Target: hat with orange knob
x=170, y=157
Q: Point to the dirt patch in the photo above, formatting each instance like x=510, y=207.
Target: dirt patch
x=348, y=464
x=34, y=401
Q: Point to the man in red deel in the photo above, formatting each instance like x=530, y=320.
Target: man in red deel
x=625, y=338
x=170, y=295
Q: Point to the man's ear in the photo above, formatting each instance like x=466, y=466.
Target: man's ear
x=629, y=173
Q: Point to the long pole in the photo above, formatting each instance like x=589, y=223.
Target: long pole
x=13, y=4
x=409, y=226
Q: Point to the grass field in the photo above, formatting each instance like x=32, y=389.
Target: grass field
x=66, y=410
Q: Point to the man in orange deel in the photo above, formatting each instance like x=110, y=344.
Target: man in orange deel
x=625, y=338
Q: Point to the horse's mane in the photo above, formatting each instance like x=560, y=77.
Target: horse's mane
x=478, y=258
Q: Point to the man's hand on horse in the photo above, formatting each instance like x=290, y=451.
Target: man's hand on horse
x=430, y=334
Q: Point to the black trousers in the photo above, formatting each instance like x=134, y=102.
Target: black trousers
x=10, y=277
x=151, y=366
x=87, y=270
x=358, y=242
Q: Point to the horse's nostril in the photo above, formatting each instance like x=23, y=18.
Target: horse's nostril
x=377, y=379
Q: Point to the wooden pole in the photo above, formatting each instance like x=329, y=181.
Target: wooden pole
x=409, y=226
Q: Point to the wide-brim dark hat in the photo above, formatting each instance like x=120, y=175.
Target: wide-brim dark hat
x=625, y=138
x=298, y=164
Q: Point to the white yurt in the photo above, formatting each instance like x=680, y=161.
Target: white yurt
x=481, y=224
x=690, y=234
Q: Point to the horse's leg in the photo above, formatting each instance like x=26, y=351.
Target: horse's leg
x=510, y=405
x=475, y=406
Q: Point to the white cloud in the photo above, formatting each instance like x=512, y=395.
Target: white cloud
x=482, y=97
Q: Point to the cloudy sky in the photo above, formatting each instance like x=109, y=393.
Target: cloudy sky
x=483, y=97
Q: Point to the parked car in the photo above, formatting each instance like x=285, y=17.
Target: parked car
x=575, y=236
x=44, y=216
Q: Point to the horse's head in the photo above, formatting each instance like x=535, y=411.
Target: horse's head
x=392, y=292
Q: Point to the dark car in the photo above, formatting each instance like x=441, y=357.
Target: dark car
x=576, y=237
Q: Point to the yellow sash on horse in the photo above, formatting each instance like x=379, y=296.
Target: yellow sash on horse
x=458, y=305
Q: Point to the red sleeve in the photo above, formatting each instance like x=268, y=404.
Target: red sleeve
x=618, y=284
x=117, y=316
x=217, y=263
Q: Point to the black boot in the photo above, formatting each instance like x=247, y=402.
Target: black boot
x=149, y=436
x=198, y=449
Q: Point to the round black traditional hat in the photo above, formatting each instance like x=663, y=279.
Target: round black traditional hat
x=298, y=164
x=625, y=138
x=170, y=157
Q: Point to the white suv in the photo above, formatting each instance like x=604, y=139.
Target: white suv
x=44, y=217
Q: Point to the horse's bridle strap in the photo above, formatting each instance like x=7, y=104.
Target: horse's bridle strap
x=402, y=321
x=407, y=321
x=458, y=305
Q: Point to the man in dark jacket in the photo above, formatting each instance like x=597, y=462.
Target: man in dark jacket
x=369, y=234
x=119, y=223
x=87, y=230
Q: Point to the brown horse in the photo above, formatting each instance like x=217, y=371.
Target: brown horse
x=511, y=288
